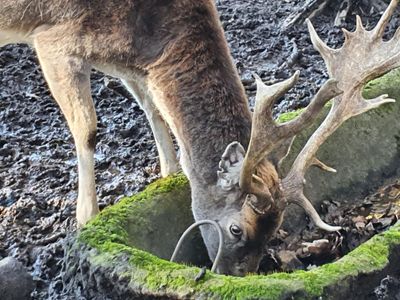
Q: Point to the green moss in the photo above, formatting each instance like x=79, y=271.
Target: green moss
x=383, y=85
x=286, y=117
x=110, y=225
x=107, y=235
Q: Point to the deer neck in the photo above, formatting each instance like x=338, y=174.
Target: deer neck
x=198, y=91
x=205, y=118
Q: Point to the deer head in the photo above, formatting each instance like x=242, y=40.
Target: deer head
x=254, y=194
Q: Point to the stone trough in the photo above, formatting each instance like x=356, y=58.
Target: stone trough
x=123, y=253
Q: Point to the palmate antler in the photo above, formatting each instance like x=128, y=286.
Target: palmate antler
x=363, y=57
x=266, y=134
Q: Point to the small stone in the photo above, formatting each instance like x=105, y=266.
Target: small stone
x=289, y=261
x=384, y=222
x=317, y=247
x=15, y=281
x=370, y=227
x=358, y=219
x=360, y=225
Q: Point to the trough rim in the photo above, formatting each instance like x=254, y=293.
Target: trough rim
x=106, y=234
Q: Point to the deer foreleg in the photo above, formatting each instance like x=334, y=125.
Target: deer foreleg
x=69, y=82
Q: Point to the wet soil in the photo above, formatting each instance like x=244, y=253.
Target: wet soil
x=38, y=175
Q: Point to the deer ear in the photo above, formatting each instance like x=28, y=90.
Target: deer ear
x=230, y=166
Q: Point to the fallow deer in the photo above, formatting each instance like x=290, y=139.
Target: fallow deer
x=172, y=55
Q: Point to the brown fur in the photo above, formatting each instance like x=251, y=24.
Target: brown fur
x=173, y=55
x=180, y=45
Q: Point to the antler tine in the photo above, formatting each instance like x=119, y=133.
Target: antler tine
x=328, y=91
x=374, y=103
x=263, y=137
x=362, y=58
x=293, y=190
x=325, y=51
x=266, y=96
x=380, y=27
x=263, y=102
x=396, y=34
x=316, y=162
x=347, y=34
x=303, y=202
x=359, y=24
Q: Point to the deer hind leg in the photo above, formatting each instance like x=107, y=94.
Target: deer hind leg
x=166, y=150
x=69, y=81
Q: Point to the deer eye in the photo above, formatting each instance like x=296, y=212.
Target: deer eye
x=235, y=230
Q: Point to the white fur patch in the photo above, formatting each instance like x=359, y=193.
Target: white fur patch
x=230, y=166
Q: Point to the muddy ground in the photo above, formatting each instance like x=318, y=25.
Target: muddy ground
x=38, y=179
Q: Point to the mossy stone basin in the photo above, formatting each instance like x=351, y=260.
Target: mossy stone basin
x=123, y=253
x=121, y=266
